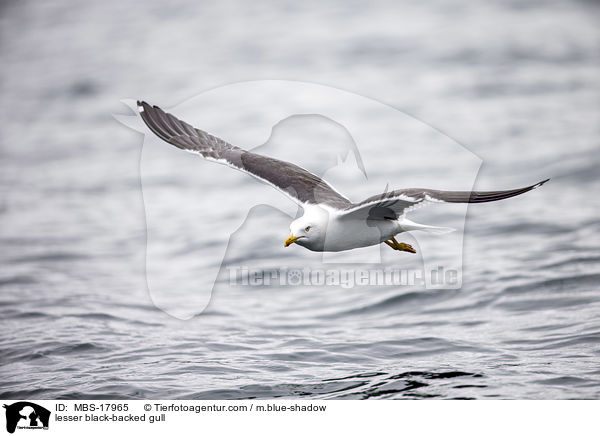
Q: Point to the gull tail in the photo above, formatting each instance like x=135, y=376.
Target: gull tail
x=408, y=225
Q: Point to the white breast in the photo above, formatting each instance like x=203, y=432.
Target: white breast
x=345, y=234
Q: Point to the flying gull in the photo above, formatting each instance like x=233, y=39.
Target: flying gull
x=330, y=221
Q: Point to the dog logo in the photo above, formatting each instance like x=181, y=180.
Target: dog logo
x=26, y=415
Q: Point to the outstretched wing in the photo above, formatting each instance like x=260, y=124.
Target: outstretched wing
x=393, y=204
x=300, y=185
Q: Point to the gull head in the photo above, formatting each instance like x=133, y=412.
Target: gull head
x=308, y=231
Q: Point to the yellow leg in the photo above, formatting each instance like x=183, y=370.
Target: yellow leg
x=390, y=244
x=400, y=246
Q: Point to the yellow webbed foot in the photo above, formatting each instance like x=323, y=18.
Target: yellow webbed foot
x=406, y=247
x=400, y=246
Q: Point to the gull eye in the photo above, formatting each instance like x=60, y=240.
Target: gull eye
x=307, y=228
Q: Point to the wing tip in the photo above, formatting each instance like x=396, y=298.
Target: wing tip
x=537, y=185
x=143, y=106
x=152, y=116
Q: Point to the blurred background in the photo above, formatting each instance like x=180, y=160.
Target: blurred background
x=517, y=82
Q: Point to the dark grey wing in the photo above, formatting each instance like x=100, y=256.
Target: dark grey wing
x=302, y=186
x=393, y=204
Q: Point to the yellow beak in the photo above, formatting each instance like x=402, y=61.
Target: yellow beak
x=289, y=241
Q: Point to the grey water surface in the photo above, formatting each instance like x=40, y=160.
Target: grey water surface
x=516, y=82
